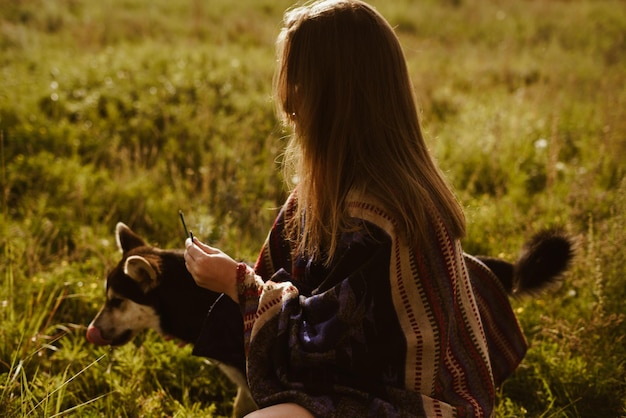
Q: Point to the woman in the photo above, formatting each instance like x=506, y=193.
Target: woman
x=361, y=301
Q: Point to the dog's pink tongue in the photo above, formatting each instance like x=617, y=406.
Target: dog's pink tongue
x=94, y=336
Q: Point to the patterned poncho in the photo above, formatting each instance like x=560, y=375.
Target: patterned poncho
x=388, y=330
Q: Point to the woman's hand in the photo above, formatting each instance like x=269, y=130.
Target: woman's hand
x=211, y=268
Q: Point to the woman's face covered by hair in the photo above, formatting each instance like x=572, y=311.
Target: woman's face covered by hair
x=341, y=68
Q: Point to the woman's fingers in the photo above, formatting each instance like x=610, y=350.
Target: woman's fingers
x=202, y=246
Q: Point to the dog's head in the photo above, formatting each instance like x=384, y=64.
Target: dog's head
x=130, y=305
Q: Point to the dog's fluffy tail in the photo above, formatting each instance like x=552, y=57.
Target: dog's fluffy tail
x=543, y=260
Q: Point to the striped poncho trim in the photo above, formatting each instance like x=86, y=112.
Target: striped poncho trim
x=415, y=297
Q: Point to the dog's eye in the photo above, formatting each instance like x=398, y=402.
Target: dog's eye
x=115, y=302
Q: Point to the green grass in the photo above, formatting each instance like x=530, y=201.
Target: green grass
x=128, y=110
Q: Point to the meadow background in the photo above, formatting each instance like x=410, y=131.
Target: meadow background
x=129, y=110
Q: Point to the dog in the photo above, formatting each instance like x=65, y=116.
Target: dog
x=150, y=288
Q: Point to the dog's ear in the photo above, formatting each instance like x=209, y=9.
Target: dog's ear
x=126, y=239
x=140, y=270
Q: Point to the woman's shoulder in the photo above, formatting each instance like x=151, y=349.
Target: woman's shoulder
x=371, y=212
x=434, y=233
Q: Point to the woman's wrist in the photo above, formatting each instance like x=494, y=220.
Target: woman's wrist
x=247, y=288
x=241, y=270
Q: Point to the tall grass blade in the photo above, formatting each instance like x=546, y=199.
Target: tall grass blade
x=64, y=384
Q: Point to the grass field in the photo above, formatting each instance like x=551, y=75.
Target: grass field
x=129, y=110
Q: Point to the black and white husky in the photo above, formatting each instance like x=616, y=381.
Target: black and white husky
x=150, y=288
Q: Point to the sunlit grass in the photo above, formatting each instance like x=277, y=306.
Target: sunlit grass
x=130, y=110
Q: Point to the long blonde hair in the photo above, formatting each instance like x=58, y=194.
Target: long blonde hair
x=343, y=83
